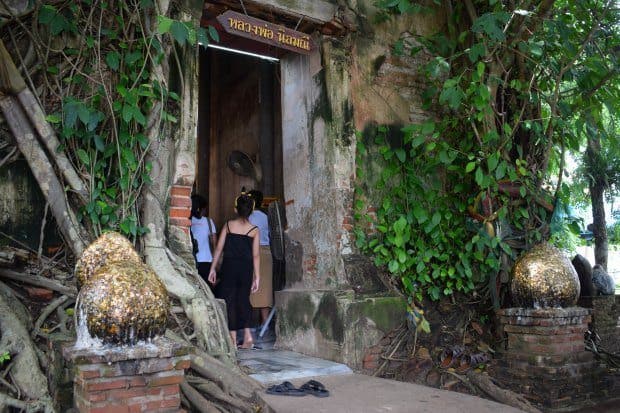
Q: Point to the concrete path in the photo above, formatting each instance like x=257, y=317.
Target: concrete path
x=349, y=392
x=356, y=393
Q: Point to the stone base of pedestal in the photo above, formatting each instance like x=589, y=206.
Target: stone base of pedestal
x=545, y=358
x=128, y=379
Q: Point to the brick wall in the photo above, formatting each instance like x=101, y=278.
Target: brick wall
x=180, y=206
x=129, y=380
x=546, y=360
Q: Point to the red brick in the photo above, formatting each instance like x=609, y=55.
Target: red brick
x=180, y=222
x=137, y=381
x=156, y=406
x=88, y=374
x=98, y=396
x=110, y=409
x=180, y=201
x=165, y=379
x=102, y=384
x=181, y=190
x=170, y=390
x=182, y=365
x=123, y=394
x=179, y=212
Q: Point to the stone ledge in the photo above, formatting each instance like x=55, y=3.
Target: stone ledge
x=160, y=347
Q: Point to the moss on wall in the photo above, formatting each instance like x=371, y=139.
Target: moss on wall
x=298, y=314
x=386, y=312
x=328, y=319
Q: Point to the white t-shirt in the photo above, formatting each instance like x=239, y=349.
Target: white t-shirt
x=202, y=228
x=259, y=218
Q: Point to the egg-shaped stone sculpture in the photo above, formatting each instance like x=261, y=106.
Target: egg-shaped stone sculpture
x=109, y=247
x=124, y=302
x=544, y=277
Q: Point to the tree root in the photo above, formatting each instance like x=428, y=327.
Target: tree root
x=39, y=282
x=28, y=407
x=484, y=383
x=197, y=401
x=26, y=373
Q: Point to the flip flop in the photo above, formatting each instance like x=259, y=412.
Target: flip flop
x=286, y=388
x=254, y=347
x=450, y=356
x=315, y=388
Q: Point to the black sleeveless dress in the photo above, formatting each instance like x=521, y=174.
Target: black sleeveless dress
x=236, y=278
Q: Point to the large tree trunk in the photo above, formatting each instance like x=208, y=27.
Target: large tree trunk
x=597, y=191
x=196, y=298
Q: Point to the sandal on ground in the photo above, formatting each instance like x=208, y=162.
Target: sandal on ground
x=464, y=364
x=450, y=356
x=252, y=347
x=315, y=388
x=286, y=388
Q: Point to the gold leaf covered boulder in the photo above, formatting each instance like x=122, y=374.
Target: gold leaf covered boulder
x=544, y=277
x=124, y=302
x=109, y=247
x=121, y=299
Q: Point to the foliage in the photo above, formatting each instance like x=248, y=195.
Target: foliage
x=461, y=195
x=4, y=357
x=106, y=93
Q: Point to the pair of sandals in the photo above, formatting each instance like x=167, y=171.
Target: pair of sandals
x=286, y=388
x=456, y=358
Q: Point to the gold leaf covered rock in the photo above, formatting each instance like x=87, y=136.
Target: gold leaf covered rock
x=109, y=247
x=544, y=277
x=124, y=302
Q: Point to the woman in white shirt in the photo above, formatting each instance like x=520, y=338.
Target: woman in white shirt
x=203, y=234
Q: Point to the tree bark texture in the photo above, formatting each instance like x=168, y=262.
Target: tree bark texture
x=597, y=185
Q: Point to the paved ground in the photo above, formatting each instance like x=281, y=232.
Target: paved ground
x=356, y=393
x=349, y=392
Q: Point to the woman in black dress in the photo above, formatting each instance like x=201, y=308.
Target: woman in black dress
x=240, y=271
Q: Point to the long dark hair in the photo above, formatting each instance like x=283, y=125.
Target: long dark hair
x=244, y=204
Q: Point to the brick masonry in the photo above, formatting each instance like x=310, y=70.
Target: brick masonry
x=545, y=358
x=180, y=206
x=142, y=378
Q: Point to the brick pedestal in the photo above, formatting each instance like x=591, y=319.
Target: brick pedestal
x=605, y=314
x=546, y=360
x=141, y=378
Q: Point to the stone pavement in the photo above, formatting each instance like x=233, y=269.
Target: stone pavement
x=356, y=393
x=349, y=392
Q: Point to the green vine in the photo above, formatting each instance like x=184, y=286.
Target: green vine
x=446, y=205
x=106, y=94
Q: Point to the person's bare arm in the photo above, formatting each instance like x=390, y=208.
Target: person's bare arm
x=256, y=260
x=216, y=256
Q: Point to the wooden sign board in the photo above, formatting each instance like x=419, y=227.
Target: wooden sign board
x=265, y=32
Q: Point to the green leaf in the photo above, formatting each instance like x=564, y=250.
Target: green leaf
x=492, y=25
x=214, y=34
x=81, y=153
x=179, y=32
x=112, y=59
x=476, y=51
x=492, y=161
x=470, y=167
x=163, y=24
x=401, y=155
x=53, y=118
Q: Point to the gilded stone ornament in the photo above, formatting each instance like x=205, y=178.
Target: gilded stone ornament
x=544, y=277
x=124, y=302
x=109, y=247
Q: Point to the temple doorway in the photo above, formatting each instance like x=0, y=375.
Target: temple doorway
x=239, y=141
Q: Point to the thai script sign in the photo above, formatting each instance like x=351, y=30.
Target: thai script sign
x=265, y=32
